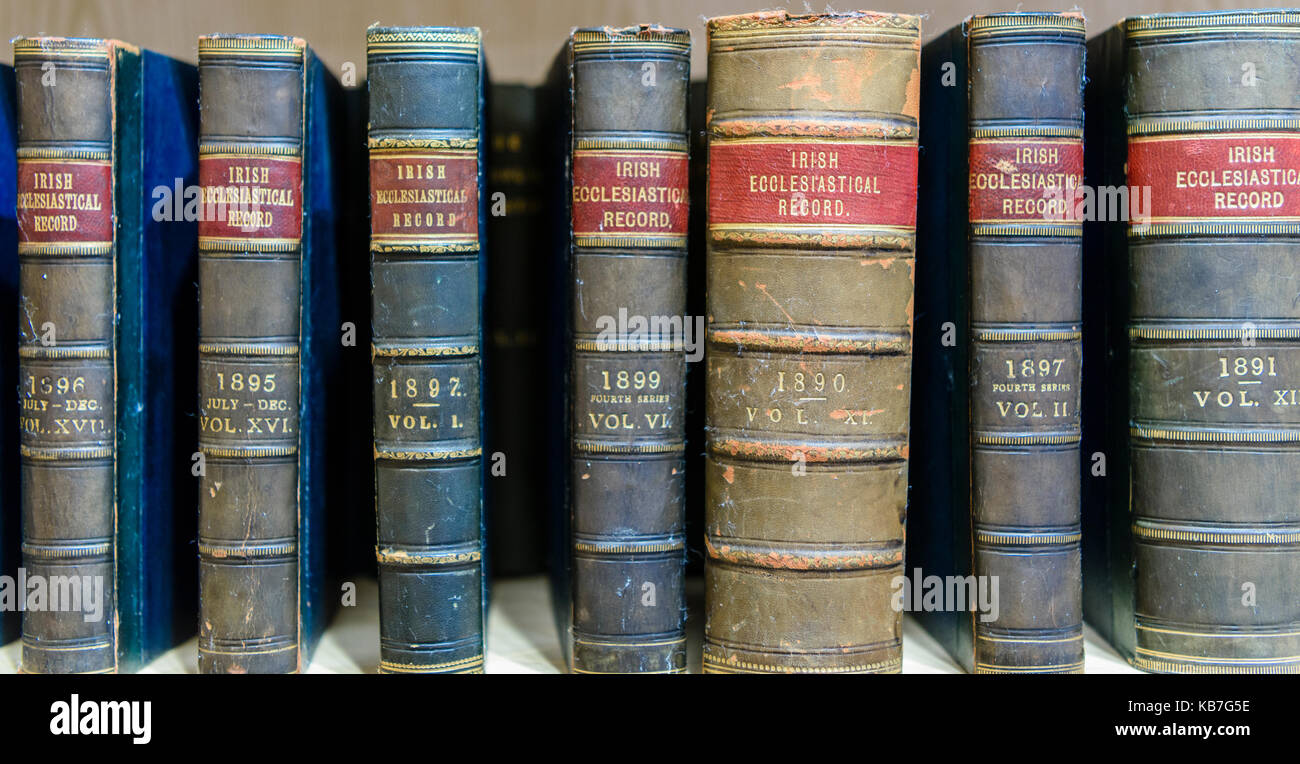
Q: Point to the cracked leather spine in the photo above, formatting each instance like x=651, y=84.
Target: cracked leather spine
x=250, y=253
x=629, y=206
x=426, y=102
x=1025, y=126
x=1213, y=328
x=811, y=232
x=67, y=248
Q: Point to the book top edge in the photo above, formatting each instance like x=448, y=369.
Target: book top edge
x=784, y=21
x=251, y=45
x=415, y=37
x=1212, y=21
x=631, y=36
x=95, y=47
x=998, y=24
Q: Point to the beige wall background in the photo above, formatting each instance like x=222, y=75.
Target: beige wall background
x=521, y=36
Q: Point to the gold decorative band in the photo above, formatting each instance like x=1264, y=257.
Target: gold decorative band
x=250, y=244
x=459, y=666
x=247, y=452
x=412, y=351
x=57, y=352
x=1258, y=227
x=630, y=143
x=227, y=150
x=840, y=237
x=1027, y=229
x=619, y=547
x=431, y=455
x=645, y=37
x=58, y=153
x=626, y=448
x=391, y=556
x=76, y=249
x=1000, y=24
x=1160, y=125
x=422, y=40
x=1195, y=435
x=1048, y=668
x=1261, y=22
x=380, y=246
x=249, y=348
x=1026, y=131
x=222, y=551
x=714, y=665
x=635, y=241
x=1026, y=335
x=1144, y=530
x=1026, y=439
x=627, y=345
x=67, y=551
x=251, y=45
x=64, y=453
x=61, y=47
x=381, y=145
x=1237, y=332
x=1026, y=539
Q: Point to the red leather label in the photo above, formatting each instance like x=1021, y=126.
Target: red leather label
x=1234, y=175
x=424, y=195
x=630, y=194
x=1025, y=180
x=810, y=183
x=252, y=198
x=65, y=201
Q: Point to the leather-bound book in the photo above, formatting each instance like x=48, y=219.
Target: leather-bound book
x=515, y=312
x=1206, y=295
x=426, y=176
x=996, y=478
x=812, y=214
x=269, y=342
x=107, y=256
x=10, y=510
x=629, y=207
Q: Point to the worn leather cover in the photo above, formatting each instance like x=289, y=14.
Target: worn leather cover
x=812, y=214
x=1212, y=327
x=10, y=509
x=629, y=209
x=1025, y=162
x=268, y=350
x=514, y=363
x=68, y=250
x=426, y=182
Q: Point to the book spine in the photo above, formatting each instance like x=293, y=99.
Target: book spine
x=426, y=91
x=10, y=504
x=629, y=178
x=250, y=253
x=515, y=314
x=1214, y=340
x=811, y=234
x=66, y=349
x=1025, y=240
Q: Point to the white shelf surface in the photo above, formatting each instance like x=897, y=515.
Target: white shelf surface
x=522, y=639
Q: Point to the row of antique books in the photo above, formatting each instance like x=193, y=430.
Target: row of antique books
x=765, y=323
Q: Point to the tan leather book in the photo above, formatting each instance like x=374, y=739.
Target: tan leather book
x=811, y=226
